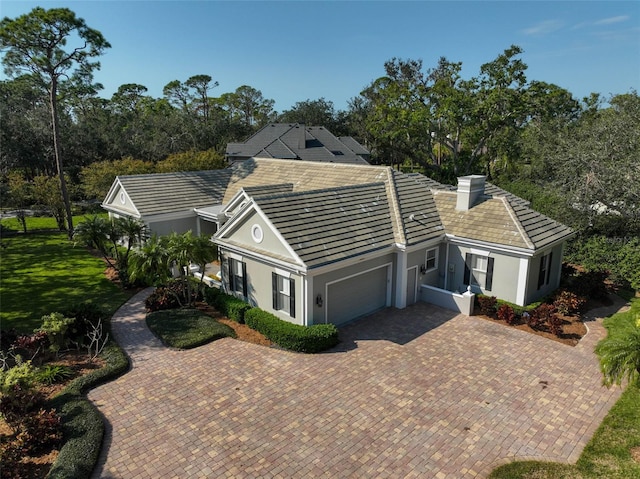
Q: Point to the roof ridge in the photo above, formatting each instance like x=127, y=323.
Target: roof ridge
x=396, y=219
x=516, y=220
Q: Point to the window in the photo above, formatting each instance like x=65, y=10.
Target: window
x=478, y=271
x=284, y=294
x=237, y=277
x=431, y=259
x=545, y=270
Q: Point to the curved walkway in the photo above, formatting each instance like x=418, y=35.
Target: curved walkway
x=418, y=392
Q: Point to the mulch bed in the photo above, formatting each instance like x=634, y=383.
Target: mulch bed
x=573, y=328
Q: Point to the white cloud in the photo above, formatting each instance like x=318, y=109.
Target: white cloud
x=610, y=20
x=543, y=28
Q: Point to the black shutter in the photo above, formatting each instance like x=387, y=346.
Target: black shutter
x=489, y=282
x=274, y=293
x=541, y=272
x=467, y=268
x=230, y=276
x=549, y=267
x=292, y=298
x=244, y=279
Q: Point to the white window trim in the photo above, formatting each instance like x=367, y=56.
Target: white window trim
x=436, y=258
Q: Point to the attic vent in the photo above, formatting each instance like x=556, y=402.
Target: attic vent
x=337, y=152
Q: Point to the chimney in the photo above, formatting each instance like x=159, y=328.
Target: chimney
x=470, y=188
x=302, y=136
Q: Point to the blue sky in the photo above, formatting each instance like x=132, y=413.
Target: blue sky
x=298, y=50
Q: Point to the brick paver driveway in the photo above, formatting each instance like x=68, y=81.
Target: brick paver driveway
x=414, y=393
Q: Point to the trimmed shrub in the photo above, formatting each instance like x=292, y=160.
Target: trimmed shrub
x=304, y=339
x=487, y=304
x=544, y=315
x=230, y=306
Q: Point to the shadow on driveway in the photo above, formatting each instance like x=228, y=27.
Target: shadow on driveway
x=399, y=326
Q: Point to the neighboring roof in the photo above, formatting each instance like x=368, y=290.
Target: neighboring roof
x=329, y=225
x=294, y=141
x=162, y=193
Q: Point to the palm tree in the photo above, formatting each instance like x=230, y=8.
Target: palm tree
x=619, y=355
x=151, y=262
x=94, y=233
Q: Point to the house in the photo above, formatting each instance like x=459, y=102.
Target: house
x=295, y=141
x=317, y=242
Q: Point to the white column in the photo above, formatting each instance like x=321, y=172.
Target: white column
x=523, y=276
x=401, y=279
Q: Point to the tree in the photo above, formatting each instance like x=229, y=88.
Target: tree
x=153, y=261
x=46, y=193
x=114, y=238
x=20, y=194
x=97, y=178
x=35, y=42
x=318, y=112
x=191, y=161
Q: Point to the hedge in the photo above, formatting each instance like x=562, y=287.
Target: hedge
x=83, y=427
x=232, y=307
x=304, y=339
x=517, y=309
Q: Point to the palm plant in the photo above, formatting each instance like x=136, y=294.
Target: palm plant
x=150, y=263
x=619, y=355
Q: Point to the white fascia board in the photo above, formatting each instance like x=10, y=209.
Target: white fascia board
x=241, y=215
x=236, y=201
x=293, y=268
x=110, y=202
x=111, y=209
x=426, y=244
x=275, y=231
x=513, y=250
x=351, y=261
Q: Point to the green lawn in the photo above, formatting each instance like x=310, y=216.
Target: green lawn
x=608, y=453
x=43, y=272
x=186, y=328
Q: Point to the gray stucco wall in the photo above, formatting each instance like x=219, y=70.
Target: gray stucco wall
x=270, y=241
x=535, y=294
x=505, y=274
x=259, y=286
x=181, y=225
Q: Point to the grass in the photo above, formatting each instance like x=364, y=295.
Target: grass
x=608, y=453
x=41, y=273
x=39, y=223
x=186, y=328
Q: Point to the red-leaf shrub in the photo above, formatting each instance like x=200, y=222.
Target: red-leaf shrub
x=567, y=302
x=506, y=313
x=487, y=304
x=554, y=323
x=39, y=431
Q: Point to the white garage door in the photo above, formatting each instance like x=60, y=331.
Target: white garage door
x=357, y=296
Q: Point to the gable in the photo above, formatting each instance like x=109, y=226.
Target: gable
x=250, y=231
x=119, y=201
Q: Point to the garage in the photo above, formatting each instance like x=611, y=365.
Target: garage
x=358, y=295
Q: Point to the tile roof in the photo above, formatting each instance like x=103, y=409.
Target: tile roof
x=329, y=225
x=295, y=141
x=161, y=193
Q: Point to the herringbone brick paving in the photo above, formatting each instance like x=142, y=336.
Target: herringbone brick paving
x=419, y=392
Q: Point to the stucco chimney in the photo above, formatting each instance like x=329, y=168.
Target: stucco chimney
x=470, y=188
x=302, y=136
